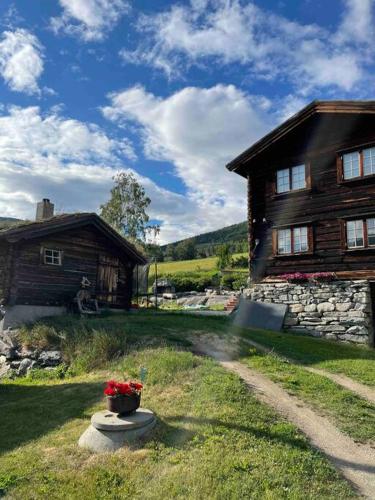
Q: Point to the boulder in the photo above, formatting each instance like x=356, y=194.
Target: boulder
x=24, y=366
x=325, y=307
x=49, y=358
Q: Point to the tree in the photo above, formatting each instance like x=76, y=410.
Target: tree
x=224, y=257
x=126, y=209
x=185, y=250
x=170, y=252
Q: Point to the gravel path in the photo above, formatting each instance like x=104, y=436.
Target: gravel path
x=362, y=390
x=355, y=461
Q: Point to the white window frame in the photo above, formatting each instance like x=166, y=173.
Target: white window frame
x=372, y=230
x=52, y=257
x=348, y=169
x=368, y=161
x=291, y=174
x=292, y=235
x=358, y=230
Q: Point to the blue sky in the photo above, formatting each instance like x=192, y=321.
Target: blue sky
x=169, y=90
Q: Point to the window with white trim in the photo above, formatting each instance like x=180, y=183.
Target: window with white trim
x=52, y=257
x=358, y=164
x=355, y=233
x=291, y=179
x=293, y=240
x=360, y=233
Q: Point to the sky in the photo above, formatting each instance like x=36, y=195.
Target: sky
x=171, y=91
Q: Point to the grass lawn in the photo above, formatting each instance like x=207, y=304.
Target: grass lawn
x=213, y=439
x=207, y=264
x=354, y=361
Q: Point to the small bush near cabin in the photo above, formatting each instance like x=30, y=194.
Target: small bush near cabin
x=197, y=281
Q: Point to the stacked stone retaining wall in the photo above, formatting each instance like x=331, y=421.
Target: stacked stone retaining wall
x=336, y=310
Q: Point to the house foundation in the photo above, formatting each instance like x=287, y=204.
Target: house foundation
x=337, y=310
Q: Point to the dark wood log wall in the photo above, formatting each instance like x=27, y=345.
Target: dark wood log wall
x=325, y=206
x=39, y=284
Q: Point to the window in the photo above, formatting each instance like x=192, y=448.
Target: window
x=52, y=257
x=371, y=231
x=360, y=233
x=369, y=161
x=358, y=164
x=355, y=233
x=292, y=240
x=290, y=179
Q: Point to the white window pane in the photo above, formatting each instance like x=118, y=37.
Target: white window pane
x=351, y=165
x=283, y=181
x=355, y=237
x=371, y=231
x=284, y=242
x=299, y=177
x=300, y=239
x=369, y=161
x=52, y=257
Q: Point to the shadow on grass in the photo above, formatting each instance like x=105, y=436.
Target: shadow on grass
x=29, y=412
x=172, y=434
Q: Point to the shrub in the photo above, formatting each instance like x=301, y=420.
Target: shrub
x=197, y=280
x=234, y=281
x=241, y=261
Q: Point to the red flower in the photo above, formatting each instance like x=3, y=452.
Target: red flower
x=109, y=391
x=111, y=383
x=124, y=389
x=137, y=386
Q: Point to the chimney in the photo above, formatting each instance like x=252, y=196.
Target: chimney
x=44, y=209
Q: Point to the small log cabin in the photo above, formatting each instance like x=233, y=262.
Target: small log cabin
x=42, y=263
x=311, y=209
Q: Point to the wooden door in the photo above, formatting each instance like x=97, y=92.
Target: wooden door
x=107, y=281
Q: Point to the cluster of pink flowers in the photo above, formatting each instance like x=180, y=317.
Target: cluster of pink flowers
x=114, y=388
x=322, y=276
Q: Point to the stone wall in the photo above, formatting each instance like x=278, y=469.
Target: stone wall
x=336, y=310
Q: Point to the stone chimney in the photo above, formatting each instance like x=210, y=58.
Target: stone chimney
x=44, y=209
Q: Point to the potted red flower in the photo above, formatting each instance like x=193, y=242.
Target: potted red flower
x=123, y=397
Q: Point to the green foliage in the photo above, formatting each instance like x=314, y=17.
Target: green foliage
x=39, y=336
x=126, y=209
x=194, y=281
x=241, y=262
x=185, y=250
x=234, y=281
x=224, y=257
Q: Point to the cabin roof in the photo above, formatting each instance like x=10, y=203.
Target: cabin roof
x=35, y=229
x=315, y=107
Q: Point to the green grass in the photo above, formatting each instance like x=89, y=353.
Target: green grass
x=357, y=362
x=213, y=439
x=207, y=264
x=350, y=413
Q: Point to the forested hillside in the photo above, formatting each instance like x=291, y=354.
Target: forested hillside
x=207, y=244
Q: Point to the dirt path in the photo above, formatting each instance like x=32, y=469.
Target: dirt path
x=355, y=461
x=362, y=390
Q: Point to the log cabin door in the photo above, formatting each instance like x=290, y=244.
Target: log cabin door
x=108, y=275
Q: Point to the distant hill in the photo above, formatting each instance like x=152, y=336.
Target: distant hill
x=6, y=222
x=207, y=243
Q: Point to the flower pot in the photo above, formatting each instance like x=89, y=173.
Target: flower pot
x=123, y=404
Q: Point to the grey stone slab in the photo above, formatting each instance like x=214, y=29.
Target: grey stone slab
x=268, y=316
x=100, y=440
x=108, y=421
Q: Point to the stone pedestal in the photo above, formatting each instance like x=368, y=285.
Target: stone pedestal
x=109, y=431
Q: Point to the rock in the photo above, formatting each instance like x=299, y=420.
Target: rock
x=3, y=359
x=310, y=308
x=24, y=366
x=49, y=358
x=359, y=339
x=357, y=330
x=5, y=369
x=325, y=307
x=291, y=321
x=344, y=307
x=296, y=308
x=330, y=336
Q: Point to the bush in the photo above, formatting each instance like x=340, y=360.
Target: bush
x=234, y=281
x=241, y=261
x=194, y=281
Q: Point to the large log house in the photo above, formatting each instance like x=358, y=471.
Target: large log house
x=311, y=204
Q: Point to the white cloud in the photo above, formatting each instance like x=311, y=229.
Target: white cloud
x=21, y=60
x=72, y=163
x=269, y=46
x=199, y=131
x=89, y=19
